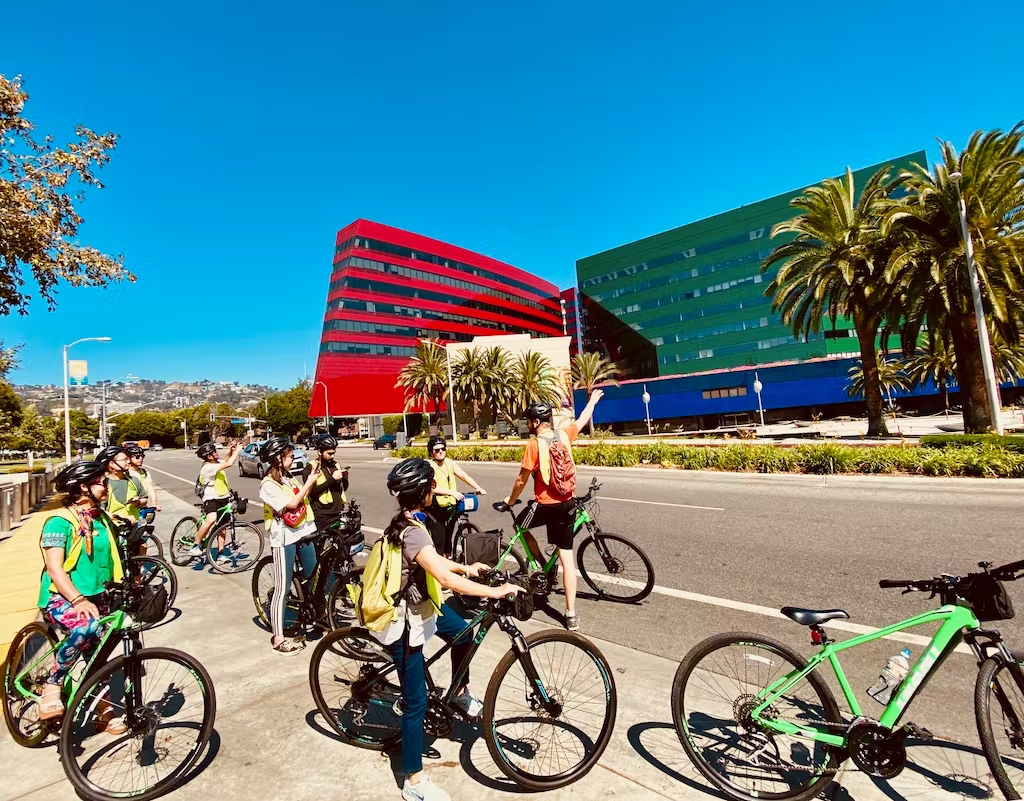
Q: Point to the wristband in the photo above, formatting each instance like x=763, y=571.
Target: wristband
x=77, y=599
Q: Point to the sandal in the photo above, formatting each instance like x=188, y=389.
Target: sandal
x=50, y=705
x=289, y=647
x=116, y=726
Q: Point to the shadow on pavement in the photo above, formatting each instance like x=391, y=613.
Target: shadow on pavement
x=940, y=766
x=659, y=746
x=212, y=749
x=175, y=613
x=476, y=759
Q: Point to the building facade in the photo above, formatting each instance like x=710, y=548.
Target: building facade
x=695, y=296
x=389, y=289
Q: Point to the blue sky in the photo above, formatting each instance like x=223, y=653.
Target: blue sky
x=536, y=133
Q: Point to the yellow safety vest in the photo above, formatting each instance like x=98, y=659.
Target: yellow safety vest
x=327, y=496
x=268, y=513
x=444, y=476
x=78, y=544
x=117, y=509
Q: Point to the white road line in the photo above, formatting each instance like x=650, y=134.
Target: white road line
x=660, y=503
x=740, y=606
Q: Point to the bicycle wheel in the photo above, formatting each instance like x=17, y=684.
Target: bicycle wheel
x=615, y=568
x=183, y=538
x=20, y=712
x=541, y=746
x=343, y=677
x=153, y=546
x=154, y=572
x=459, y=540
x=717, y=686
x=341, y=611
x=999, y=712
x=173, y=706
x=243, y=547
x=263, y=595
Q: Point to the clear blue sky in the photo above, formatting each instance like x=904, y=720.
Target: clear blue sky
x=536, y=133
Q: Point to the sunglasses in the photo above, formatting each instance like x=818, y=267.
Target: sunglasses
x=101, y=482
x=441, y=449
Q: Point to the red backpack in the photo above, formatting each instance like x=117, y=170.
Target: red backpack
x=555, y=460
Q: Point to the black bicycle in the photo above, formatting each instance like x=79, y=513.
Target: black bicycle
x=548, y=713
x=151, y=572
x=232, y=546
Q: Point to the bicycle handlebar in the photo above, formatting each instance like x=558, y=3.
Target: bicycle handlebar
x=939, y=584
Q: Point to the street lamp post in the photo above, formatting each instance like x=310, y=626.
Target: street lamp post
x=979, y=311
x=758, y=386
x=451, y=394
x=67, y=402
x=646, y=397
x=327, y=407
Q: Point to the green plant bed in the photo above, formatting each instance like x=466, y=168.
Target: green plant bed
x=1009, y=442
x=830, y=458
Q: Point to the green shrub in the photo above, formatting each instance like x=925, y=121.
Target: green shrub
x=1009, y=442
x=826, y=459
x=26, y=469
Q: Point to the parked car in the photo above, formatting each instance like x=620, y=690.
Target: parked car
x=250, y=464
x=157, y=447
x=386, y=441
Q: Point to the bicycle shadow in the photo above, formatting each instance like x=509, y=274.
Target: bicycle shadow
x=173, y=615
x=658, y=745
x=474, y=754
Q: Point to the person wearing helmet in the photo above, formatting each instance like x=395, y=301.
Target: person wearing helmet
x=551, y=509
x=327, y=498
x=287, y=515
x=213, y=477
x=140, y=475
x=80, y=555
x=126, y=494
x=446, y=494
x=422, y=614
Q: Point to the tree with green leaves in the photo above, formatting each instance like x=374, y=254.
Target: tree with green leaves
x=498, y=367
x=8, y=359
x=288, y=412
x=40, y=186
x=470, y=380
x=834, y=266
x=83, y=428
x=891, y=378
x=934, y=361
x=10, y=413
x=534, y=379
x=424, y=379
x=589, y=370
x=37, y=433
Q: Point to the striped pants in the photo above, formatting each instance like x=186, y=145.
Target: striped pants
x=284, y=561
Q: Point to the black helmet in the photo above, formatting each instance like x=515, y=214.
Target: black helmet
x=324, y=442
x=206, y=450
x=134, y=450
x=107, y=455
x=274, y=447
x=539, y=411
x=437, y=439
x=72, y=477
x=411, y=480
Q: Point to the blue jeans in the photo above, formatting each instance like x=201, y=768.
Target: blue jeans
x=412, y=677
x=284, y=560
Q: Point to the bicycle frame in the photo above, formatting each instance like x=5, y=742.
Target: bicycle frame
x=582, y=519
x=955, y=619
x=313, y=589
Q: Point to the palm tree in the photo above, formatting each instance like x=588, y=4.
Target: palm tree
x=834, y=267
x=934, y=361
x=425, y=377
x=499, y=368
x=890, y=378
x=470, y=380
x=589, y=370
x=533, y=380
x=929, y=266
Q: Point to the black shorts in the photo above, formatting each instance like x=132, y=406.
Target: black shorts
x=558, y=517
x=214, y=506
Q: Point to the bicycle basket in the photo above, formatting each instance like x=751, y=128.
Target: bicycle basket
x=149, y=604
x=986, y=596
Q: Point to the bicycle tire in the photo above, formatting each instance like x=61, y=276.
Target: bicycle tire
x=459, y=540
x=159, y=567
x=679, y=716
x=984, y=689
x=341, y=657
x=262, y=596
x=256, y=541
x=610, y=589
x=151, y=543
x=183, y=537
x=339, y=599
x=521, y=691
x=86, y=703
x=15, y=703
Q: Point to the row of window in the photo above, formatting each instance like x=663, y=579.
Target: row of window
x=731, y=392
x=679, y=255
x=751, y=300
x=425, y=314
x=668, y=300
x=683, y=275
x=424, y=275
x=729, y=350
x=713, y=331
x=367, y=348
x=440, y=261
x=404, y=291
x=358, y=326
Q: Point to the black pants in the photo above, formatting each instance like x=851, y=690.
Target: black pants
x=559, y=518
x=441, y=525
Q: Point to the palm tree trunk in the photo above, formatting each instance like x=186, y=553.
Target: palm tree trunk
x=969, y=373
x=476, y=415
x=945, y=394
x=866, y=332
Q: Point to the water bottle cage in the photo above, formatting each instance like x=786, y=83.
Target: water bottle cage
x=819, y=637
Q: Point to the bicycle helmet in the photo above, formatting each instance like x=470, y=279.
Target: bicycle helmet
x=411, y=480
x=437, y=439
x=72, y=477
x=108, y=454
x=206, y=450
x=539, y=411
x=324, y=442
x=275, y=447
x=134, y=451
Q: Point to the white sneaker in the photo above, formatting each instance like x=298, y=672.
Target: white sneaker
x=470, y=706
x=195, y=550
x=223, y=559
x=424, y=790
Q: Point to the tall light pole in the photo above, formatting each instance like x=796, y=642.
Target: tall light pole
x=758, y=386
x=646, y=397
x=327, y=407
x=67, y=404
x=979, y=311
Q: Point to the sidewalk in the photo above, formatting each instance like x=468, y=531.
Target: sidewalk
x=270, y=744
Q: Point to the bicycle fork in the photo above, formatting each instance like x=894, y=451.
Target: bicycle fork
x=538, y=696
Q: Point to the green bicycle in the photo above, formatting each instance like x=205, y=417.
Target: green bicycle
x=165, y=697
x=759, y=721
x=613, y=567
x=242, y=546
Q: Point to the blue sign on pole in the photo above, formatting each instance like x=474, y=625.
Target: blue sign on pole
x=238, y=420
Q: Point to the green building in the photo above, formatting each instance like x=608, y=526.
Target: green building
x=692, y=299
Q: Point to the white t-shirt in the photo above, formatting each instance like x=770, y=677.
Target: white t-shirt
x=277, y=497
x=208, y=475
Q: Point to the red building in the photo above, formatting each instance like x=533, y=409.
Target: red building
x=391, y=288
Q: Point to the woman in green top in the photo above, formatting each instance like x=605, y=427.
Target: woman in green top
x=80, y=556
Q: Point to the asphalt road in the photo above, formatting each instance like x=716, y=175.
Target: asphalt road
x=730, y=549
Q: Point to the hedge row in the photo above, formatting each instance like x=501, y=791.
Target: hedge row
x=1010, y=443
x=827, y=458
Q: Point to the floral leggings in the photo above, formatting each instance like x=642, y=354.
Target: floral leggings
x=82, y=633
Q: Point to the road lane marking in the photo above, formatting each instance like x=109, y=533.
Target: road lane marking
x=696, y=597
x=660, y=503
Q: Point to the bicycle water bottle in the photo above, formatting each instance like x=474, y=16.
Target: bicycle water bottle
x=894, y=672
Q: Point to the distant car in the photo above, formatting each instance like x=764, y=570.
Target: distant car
x=250, y=464
x=157, y=447
x=387, y=441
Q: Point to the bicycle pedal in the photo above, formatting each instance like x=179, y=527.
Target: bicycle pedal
x=918, y=732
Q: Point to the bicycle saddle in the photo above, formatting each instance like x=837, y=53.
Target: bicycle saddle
x=812, y=617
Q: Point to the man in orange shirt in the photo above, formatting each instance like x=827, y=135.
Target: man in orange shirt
x=552, y=509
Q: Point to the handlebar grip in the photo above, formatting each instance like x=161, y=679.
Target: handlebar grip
x=888, y=584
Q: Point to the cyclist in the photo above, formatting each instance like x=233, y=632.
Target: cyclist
x=139, y=473
x=556, y=511
x=422, y=614
x=327, y=497
x=214, y=479
x=79, y=554
x=125, y=495
x=286, y=511
x=446, y=494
